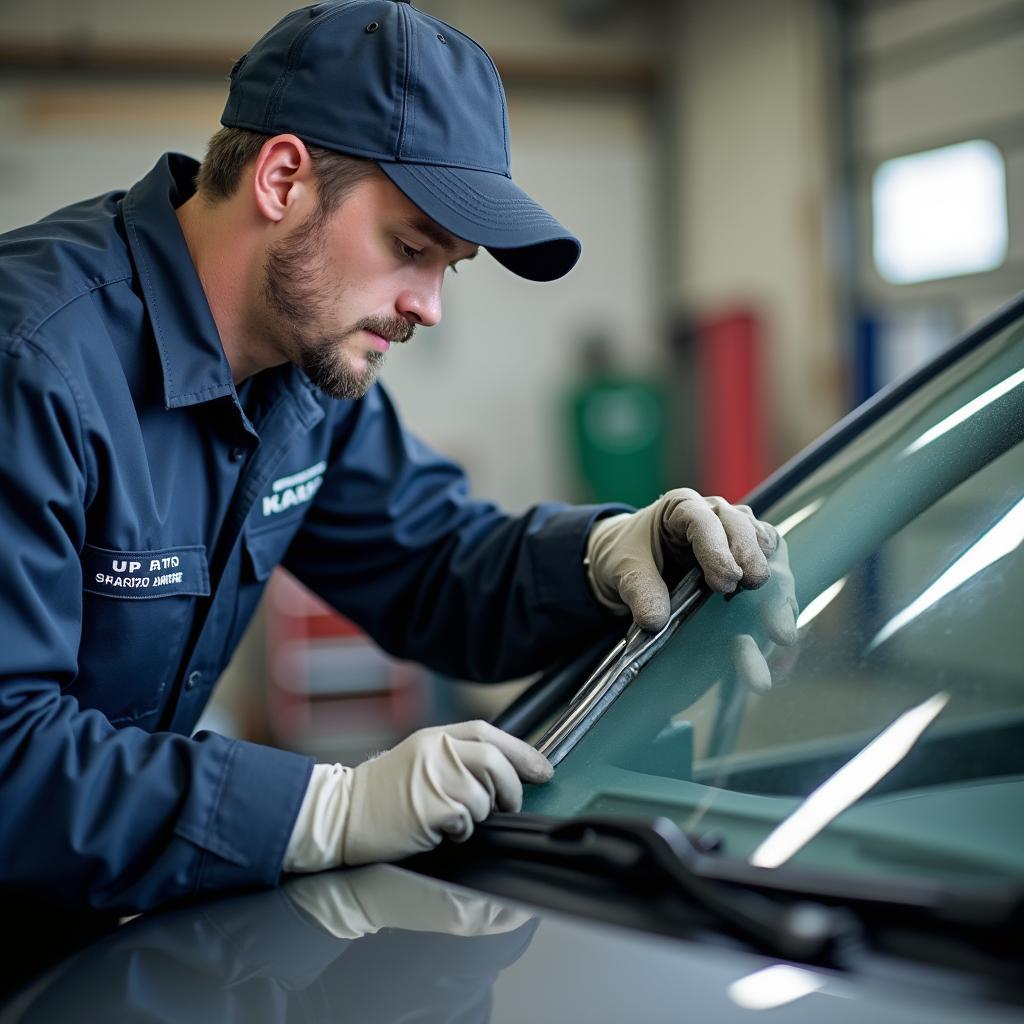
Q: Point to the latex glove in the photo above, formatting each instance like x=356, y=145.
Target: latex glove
x=438, y=782
x=627, y=554
x=350, y=904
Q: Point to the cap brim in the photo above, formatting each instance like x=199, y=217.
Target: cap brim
x=489, y=209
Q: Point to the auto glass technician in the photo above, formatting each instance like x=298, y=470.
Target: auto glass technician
x=189, y=399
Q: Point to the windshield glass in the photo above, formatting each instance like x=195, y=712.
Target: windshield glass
x=906, y=551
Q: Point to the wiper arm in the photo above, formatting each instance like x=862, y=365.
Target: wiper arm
x=795, y=913
x=656, y=854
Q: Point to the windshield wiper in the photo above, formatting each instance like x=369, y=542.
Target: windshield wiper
x=657, y=856
x=794, y=913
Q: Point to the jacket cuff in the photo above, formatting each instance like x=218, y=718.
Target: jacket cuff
x=258, y=799
x=559, y=573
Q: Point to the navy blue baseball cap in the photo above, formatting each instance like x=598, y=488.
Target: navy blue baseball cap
x=380, y=79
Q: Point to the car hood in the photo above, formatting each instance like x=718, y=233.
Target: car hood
x=385, y=944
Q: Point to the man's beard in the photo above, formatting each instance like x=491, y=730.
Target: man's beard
x=295, y=278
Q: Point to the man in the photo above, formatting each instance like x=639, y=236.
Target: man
x=189, y=399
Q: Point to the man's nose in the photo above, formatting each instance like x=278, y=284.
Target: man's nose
x=421, y=305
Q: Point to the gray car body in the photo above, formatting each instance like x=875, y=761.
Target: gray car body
x=263, y=957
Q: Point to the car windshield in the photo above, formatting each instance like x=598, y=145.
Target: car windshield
x=906, y=551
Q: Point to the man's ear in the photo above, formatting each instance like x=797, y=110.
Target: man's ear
x=282, y=176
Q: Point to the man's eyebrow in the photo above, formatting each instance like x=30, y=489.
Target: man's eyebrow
x=448, y=242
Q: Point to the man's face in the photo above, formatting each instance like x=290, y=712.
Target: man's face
x=337, y=292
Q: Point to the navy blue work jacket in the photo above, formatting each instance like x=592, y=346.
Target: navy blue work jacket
x=144, y=502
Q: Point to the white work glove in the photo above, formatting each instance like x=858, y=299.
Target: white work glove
x=438, y=782
x=627, y=554
x=351, y=904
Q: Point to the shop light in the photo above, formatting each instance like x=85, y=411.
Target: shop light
x=940, y=213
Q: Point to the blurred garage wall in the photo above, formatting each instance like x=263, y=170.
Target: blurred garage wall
x=919, y=75
x=710, y=155
x=752, y=90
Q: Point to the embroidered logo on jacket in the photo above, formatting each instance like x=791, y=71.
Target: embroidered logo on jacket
x=294, y=490
x=145, y=574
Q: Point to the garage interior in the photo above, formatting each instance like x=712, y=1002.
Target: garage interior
x=724, y=165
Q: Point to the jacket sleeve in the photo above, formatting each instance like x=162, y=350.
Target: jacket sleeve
x=94, y=816
x=395, y=542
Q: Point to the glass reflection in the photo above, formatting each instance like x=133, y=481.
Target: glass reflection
x=787, y=524
x=965, y=412
x=1003, y=539
x=816, y=606
x=848, y=785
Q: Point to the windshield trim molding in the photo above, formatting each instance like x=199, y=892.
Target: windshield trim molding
x=618, y=669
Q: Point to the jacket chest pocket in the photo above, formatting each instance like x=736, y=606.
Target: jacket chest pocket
x=265, y=549
x=261, y=551
x=137, y=607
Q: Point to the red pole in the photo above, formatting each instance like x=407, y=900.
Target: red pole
x=731, y=409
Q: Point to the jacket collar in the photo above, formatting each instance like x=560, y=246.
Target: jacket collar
x=194, y=366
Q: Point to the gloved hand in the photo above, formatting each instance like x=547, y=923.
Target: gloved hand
x=437, y=782
x=351, y=904
x=627, y=554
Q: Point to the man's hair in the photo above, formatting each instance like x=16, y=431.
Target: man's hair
x=231, y=149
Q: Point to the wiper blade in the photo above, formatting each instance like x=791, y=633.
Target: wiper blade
x=656, y=854
x=793, y=913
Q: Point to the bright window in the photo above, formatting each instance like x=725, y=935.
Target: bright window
x=940, y=213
